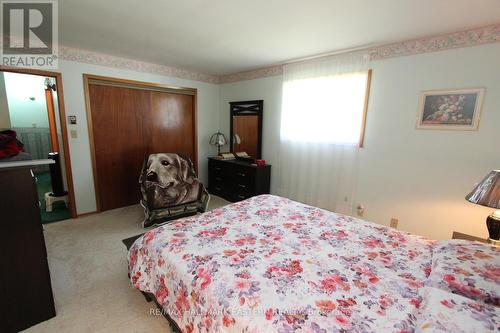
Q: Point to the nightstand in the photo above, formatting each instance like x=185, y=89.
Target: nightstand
x=459, y=235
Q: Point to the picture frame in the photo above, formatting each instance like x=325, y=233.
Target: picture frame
x=457, y=109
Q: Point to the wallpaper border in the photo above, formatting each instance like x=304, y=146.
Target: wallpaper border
x=479, y=36
x=473, y=37
x=94, y=58
x=484, y=35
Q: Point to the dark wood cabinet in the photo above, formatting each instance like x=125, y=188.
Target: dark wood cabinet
x=26, y=292
x=236, y=180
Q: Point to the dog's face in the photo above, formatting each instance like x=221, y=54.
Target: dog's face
x=167, y=178
x=167, y=170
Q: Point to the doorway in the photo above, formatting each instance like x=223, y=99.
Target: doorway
x=31, y=106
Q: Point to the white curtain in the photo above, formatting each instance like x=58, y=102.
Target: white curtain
x=321, y=121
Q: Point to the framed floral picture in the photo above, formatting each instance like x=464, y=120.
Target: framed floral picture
x=450, y=109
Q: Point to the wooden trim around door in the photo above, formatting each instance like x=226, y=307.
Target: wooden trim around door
x=64, y=129
x=111, y=81
x=117, y=82
x=49, y=100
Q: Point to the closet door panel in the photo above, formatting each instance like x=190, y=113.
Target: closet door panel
x=172, y=124
x=120, y=142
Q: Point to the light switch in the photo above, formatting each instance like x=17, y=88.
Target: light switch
x=74, y=134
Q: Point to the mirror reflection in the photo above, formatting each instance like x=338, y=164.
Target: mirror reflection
x=245, y=132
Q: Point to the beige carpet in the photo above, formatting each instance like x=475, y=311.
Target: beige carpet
x=88, y=267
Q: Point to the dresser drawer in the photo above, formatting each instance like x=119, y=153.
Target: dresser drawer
x=236, y=181
x=219, y=178
x=219, y=169
x=219, y=184
x=242, y=192
x=217, y=190
x=244, y=176
x=244, y=187
x=241, y=196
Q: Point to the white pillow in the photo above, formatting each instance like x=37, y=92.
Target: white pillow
x=468, y=269
x=442, y=311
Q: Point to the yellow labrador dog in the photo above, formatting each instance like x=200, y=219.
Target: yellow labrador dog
x=170, y=180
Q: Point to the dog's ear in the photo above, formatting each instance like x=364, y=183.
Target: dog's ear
x=185, y=169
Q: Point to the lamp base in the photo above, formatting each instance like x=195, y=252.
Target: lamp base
x=493, y=224
x=494, y=242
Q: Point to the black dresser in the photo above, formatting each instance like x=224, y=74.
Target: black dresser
x=25, y=288
x=236, y=180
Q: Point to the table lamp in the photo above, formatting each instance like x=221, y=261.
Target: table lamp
x=487, y=193
x=219, y=140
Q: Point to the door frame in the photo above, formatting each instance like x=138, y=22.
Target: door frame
x=113, y=81
x=62, y=122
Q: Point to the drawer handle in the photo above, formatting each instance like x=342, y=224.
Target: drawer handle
x=241, y=174
x=218, y=178
x=242, y=186
x=217, y=168
x=241, y=196
x=217, y=188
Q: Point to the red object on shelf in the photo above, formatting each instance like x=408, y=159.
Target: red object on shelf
x=260, y=163
x=9, y=145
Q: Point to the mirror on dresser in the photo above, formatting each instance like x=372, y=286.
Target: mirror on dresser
x=246, y=128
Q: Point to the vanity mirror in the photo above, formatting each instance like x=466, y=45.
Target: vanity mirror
x=246, y=128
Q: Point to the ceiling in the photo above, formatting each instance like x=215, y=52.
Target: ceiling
x=227, y=36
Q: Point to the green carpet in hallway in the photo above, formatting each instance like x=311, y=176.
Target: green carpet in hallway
x=59, y=210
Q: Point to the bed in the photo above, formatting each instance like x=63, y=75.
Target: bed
x=269, y=264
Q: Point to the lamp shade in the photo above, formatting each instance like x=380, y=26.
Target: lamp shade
x=487, y=192
x=218, y=139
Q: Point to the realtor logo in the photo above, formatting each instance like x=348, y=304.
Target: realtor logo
x=29, y=34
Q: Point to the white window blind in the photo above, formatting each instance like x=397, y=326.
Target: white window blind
x=328, y=108
x=323, y=107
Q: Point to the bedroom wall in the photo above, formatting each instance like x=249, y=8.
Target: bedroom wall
x=418, y=176
x=207, y=108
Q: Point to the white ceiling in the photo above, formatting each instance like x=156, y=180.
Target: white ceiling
x=227, y=36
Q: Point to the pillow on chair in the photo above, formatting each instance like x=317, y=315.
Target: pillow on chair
x=170, y=188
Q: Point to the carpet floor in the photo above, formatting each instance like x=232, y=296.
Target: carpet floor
x=88, y=267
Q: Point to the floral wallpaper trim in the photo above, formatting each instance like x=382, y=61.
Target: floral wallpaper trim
x=479, y=36
x=89, y=57
x=253, y=74
x=484, y=35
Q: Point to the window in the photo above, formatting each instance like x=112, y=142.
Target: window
x=326, y=109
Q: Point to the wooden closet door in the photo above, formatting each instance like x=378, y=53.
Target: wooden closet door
x=172, y=126
x=120, y=142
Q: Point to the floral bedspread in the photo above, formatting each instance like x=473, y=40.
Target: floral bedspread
x=269, y=264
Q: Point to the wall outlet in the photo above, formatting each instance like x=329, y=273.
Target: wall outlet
x=360, y=210
x=394, y=223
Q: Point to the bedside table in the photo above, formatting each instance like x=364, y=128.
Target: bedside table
x=459, y=235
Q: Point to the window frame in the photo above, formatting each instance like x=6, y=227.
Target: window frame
x=365, y=111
